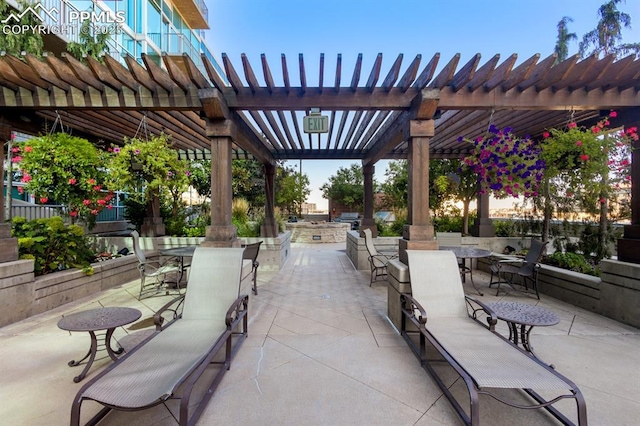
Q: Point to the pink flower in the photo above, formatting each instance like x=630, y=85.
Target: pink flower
x=43, y=200
x=578, y=143
x=94, y=212
x=16, y=159
x=73, y=213
x=102, y=202
x=584, y=157
x=28, y=148
x=97, y=188
x=595, y=129
x=116, y=150
x=21, y=190
x=572, y=125
x=26, y=178
x=546, y=135
x=91, y=181
x=86, y=202
x=603, y=200
x=613, y=114
x=72, y=181
x=15, y=149
x=109, y=207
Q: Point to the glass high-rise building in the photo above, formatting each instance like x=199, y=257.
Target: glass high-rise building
x=139, y=26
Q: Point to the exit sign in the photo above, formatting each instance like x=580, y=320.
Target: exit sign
x=315, y=123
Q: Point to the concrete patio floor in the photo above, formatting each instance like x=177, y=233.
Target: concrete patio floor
x=321, y=351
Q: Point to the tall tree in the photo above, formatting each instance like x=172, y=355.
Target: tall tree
x=606, y=38
x=346, y=187
x=564, y=37
x=395, y=186
x=292, y=189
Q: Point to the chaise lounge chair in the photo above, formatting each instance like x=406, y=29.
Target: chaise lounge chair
x=212, y=324
x=438, y=313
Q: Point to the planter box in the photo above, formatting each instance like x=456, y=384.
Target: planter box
x=23, y=296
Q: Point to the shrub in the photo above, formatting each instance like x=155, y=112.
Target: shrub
x=573, y=262
x=53, y=245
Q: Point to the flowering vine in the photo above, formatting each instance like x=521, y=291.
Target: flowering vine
x=64, y=169
x=589, y=162
x=506, y=165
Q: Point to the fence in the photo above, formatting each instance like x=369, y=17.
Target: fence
x=36, y=211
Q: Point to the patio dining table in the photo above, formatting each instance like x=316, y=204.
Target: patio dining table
x=464, y=253
x=181, y=253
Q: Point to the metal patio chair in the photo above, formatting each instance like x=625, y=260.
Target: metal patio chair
x=377, y=260
x=154, y=270
x=507, y=270
x=251, y=252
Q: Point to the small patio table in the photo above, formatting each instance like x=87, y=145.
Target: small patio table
x=95, y=320
x=464, y=253
x=180, y=252
x=526, y=316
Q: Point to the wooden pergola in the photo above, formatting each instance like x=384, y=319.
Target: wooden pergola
x=415, y=112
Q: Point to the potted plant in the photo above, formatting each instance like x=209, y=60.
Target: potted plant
x=149, y=169
x=506, y=164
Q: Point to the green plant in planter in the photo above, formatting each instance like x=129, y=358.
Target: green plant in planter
x=149, y=169
x=53, y=245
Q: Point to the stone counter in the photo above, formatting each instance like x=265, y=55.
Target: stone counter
x=321, y=232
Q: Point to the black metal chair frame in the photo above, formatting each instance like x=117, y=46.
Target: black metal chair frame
x=251, y=252
x=506, y=270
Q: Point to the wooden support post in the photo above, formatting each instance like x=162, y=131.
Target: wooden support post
x=8, y=245
x=368, y=222
x=221, y=233
x=483, y=226
x=269, y=228
x=418, y=234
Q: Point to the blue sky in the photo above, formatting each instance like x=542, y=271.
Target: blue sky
x=410, y=27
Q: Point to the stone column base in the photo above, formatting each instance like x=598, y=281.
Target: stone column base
x=152, y=227
x=405, y=245
x=483, y=228
x=369, y=223
x=269, y=228
x=221, y=236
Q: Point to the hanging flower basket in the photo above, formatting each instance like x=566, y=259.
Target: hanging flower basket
x=506, y=165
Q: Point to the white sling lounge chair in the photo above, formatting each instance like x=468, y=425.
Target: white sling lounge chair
x=437, y=313
x=213, y=317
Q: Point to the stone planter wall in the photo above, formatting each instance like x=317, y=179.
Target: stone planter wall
x=357, y=249
x=22, y=295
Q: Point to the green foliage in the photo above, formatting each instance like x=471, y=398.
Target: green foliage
x=53, y=245
x=292, y=189
x=395, y=186
x=606, y=38
x=135, y=211
x=564, y=37
x=240, y=210
x=573, y=262
x=90, y=45
x=447, y=224
x=147, y=168
x=346, y=187
x=25, y=41
x=248, y=182
x=393, y=229
x=67, y=169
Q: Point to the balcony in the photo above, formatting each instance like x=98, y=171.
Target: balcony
x=194, y=13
